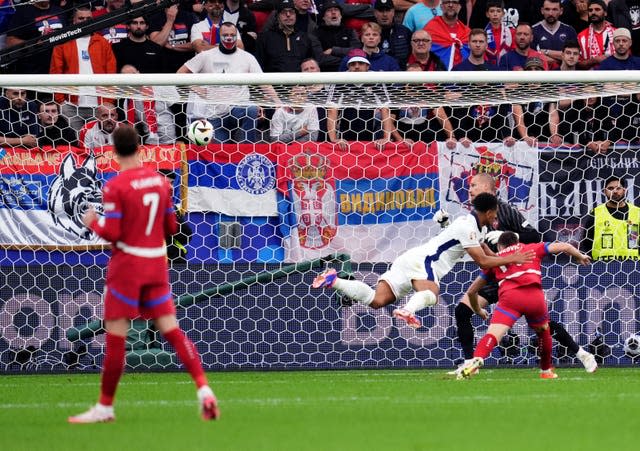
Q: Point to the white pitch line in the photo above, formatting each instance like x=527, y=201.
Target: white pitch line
x=300, y=401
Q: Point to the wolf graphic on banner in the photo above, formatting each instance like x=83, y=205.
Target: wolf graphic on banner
x=314, y=201
x=515, y=170
x=72, y=192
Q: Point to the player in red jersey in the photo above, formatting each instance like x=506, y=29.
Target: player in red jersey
x=138, y=217
x=519, y=293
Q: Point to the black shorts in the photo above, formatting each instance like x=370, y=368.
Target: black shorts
x=490, y=292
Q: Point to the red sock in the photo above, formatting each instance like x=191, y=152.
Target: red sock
x=188, y=355
x=112, y=368
x=544, y=340
x=485, y=346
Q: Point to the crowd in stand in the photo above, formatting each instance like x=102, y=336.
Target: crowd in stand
x=239, y=36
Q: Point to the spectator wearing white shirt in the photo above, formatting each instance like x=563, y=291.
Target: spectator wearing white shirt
x=295, y=122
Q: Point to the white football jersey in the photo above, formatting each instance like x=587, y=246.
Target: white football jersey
x=447, y=248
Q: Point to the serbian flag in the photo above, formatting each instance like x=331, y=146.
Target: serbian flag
x=371, y=204
x=232, y=203
x=451, y=44
x=233, y=179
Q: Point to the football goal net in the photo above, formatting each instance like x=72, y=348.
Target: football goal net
x=304, y=172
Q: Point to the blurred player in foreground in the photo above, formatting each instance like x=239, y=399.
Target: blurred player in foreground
x=520, y=293
x=138, y=217
x=511, y=220
x=422, y=267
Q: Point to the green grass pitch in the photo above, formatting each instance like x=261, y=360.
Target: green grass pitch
x=332, y=410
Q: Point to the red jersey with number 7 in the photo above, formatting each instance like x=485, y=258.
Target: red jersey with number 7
x=138, y=213
x=519, y=275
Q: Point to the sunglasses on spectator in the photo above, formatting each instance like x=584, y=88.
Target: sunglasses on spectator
x=421, y=41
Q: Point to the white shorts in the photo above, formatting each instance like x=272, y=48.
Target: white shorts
x=406, y=268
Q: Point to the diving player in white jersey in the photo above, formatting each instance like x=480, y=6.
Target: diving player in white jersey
x=422, y=267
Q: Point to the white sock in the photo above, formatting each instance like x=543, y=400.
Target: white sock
x=581, y=353
x=104, y=409
x=204, y=391
x=420, y=300
x=356, y=290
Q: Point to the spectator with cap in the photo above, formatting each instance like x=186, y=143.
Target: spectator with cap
x=306, y=18
x=335, y=38
x=367, y=116
x=621, y=59
x=395, y=39
x=421, y=13
x=283, y=48
x=378, y=60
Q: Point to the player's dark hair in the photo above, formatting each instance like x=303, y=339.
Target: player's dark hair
x=125, y=140
x=571, y=44
x=507, y=239
x=615, y=178
x=485, y=202
x=494, y=4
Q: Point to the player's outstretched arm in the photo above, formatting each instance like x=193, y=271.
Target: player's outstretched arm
x=472, y=293
x=566, y=248
x=487, y=261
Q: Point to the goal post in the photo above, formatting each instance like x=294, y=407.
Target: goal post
x=264, y=214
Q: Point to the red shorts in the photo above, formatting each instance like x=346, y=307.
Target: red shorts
x=137, y=287
x=526, y=301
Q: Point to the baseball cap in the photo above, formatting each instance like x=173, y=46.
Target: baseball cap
x=383, y=5
x=534, y=61
x=331, y=4
x=621, y=33
x=357, y=55
x=285, y=4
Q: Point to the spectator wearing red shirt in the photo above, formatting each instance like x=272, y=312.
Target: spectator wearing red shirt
x=596, y=42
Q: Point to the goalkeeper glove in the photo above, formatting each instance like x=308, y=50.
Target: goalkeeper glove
x=493, y=236
x=442, y=218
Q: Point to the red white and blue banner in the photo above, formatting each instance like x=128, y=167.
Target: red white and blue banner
x=234, y=180
x=368, y=203
x=276, y=202
x=43, y=194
